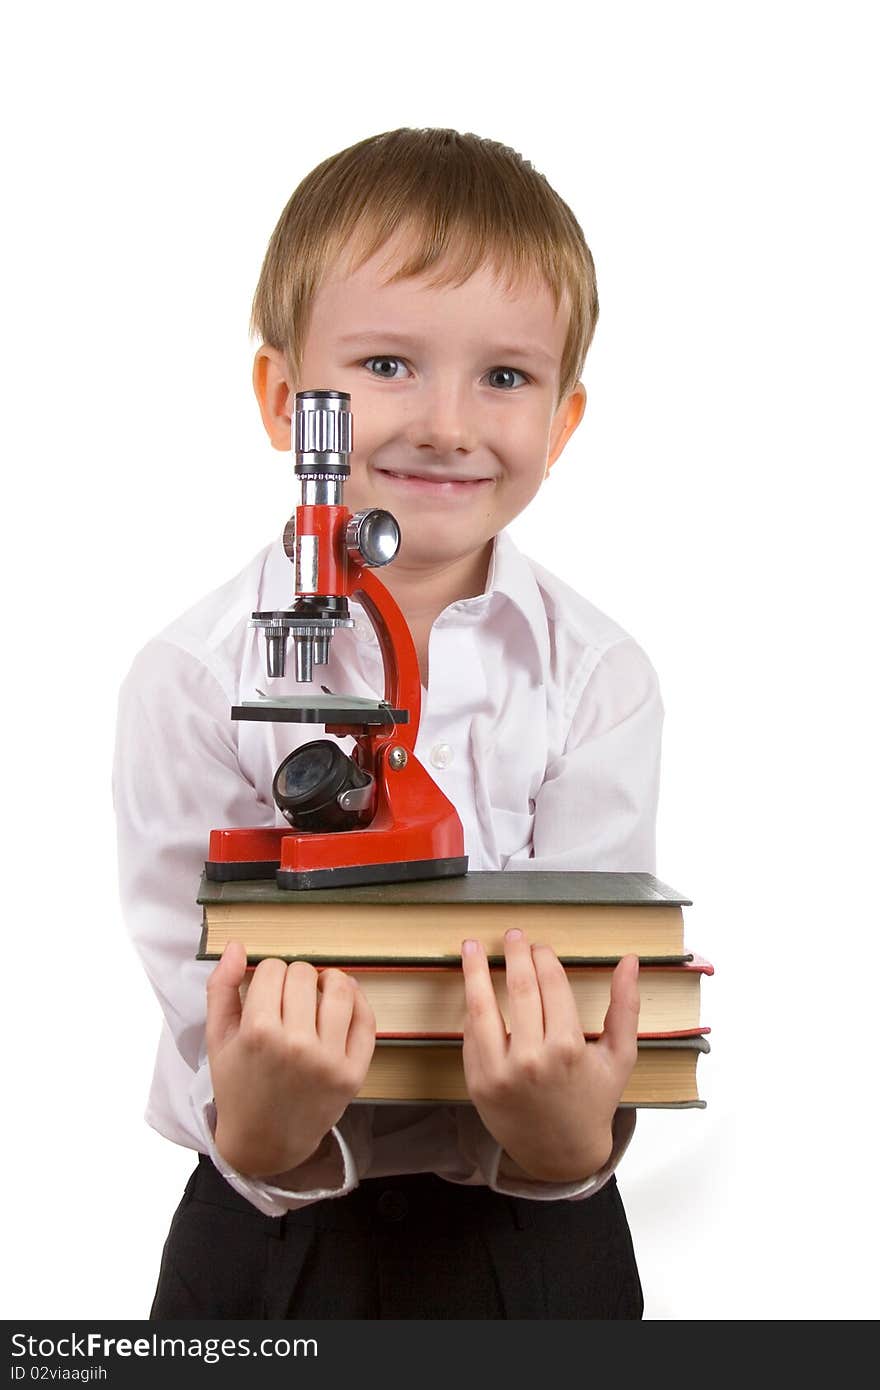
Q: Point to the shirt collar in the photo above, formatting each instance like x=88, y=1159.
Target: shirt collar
x=511, y=578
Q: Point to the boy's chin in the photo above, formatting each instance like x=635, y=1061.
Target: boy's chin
x=438, y=551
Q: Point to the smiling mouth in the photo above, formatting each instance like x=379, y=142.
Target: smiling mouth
x=432, y=479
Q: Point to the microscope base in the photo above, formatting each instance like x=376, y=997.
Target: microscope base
x=304, y=861
x=406, y=871
x=241, y=870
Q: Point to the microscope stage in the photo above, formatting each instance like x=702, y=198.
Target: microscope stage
x=332, y=709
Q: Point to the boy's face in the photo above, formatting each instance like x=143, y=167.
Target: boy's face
x=454, y=394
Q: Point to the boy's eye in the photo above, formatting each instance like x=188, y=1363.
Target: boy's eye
x=385, y=366
x=507, y=372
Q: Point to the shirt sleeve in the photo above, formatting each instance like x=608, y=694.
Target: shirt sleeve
x=597, y=805
x=176, y=776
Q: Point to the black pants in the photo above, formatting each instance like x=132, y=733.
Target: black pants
x=403, y=1247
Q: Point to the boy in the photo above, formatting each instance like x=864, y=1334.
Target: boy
x=440, y=280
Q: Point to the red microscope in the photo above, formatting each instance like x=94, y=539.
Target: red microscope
x=376, y=816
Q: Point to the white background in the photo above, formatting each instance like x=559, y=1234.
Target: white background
x=719, y=501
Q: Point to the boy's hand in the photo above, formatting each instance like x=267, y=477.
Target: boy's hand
x=286, y=1065
x=547, y=1096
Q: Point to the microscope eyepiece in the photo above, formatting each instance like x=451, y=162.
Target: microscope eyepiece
x=322, y=426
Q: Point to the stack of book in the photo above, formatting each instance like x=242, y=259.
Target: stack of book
x=402, y=943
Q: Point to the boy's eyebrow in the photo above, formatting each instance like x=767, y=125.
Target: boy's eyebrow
x=391, y=334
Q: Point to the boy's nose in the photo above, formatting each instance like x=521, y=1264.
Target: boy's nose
x=443, y=420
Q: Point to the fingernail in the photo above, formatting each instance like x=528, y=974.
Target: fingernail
x=513, y=935
x=468, y=948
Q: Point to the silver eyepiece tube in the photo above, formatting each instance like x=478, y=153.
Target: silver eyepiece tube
x=322, y=440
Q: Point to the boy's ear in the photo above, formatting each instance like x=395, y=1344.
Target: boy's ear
x=565, y=422
x=274, y=395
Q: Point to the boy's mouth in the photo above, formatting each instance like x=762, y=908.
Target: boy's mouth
x=434, y=484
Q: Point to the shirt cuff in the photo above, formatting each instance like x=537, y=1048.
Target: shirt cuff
x=488, y=1154
x=329, y=1172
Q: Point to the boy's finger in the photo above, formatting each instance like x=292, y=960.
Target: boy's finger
x=560, y=1011
x=484, y=1022
x=524, y=1006
x=263, y=996
x=620, y=1032
x=299, y=1000
x=335, y=1008
x=362, y=1031
x=224, y=1001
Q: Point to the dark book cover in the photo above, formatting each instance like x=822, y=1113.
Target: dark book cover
x=564, y=888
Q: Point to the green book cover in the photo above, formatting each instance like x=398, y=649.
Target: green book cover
x=575, y=888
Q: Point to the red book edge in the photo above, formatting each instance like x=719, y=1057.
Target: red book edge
x=457, y=1037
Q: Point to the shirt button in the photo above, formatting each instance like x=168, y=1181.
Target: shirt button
x=441, y=755
x=392, y=1206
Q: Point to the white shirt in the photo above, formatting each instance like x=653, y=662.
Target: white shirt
x=541, y=724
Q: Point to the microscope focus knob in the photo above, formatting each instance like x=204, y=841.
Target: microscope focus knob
x=372, y=537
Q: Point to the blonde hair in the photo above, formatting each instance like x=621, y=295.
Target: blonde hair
x=464, y=201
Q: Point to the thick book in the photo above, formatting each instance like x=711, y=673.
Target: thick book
x=416, y=1001
x=586, y=917
x=664, y=1077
